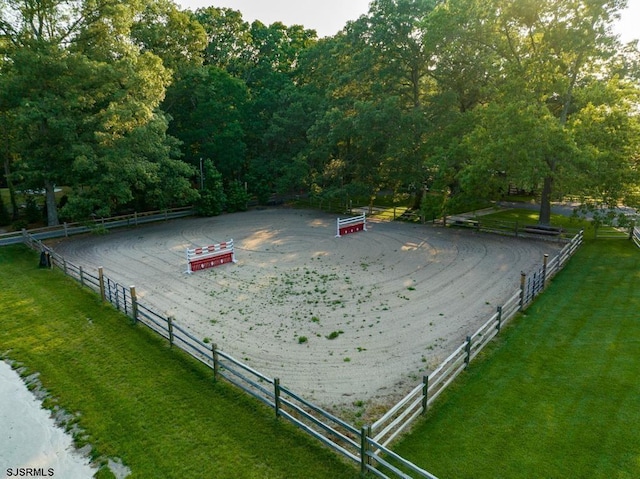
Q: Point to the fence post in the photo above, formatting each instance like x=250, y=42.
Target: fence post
x=170, y=323
x=117, y=287
x=66, y=230
x=523, y=280
x=276, y=387
x=364, y=448
x=81, y=275
x=216, y=364
x=134, y=303
x=467, y=349
x=425, y=393
x=499, y=325
x=101, y=281
x=64, y=265
x=544, y=270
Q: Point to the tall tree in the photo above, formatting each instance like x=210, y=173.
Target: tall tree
x=208, y=107
x=78, y=89
x=377, y=74
x=539, y=57
x=175, y=36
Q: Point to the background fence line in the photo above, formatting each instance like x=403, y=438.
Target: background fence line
x=97, y=224
x=366, y=446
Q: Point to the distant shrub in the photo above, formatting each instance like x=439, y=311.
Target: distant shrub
x=237, y=197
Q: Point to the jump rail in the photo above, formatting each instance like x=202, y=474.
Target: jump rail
x=210, y=256
x=351, y=225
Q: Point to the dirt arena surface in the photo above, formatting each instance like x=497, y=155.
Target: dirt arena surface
x=379, y=309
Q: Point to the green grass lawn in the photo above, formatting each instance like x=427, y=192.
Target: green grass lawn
x=153, y=407
x=557, y=394
x=530, y=217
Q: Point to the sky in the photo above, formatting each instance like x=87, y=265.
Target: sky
x=327, y=17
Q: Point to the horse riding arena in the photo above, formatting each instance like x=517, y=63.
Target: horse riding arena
x=340, y=320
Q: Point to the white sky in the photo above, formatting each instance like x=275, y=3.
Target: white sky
x=328, y=17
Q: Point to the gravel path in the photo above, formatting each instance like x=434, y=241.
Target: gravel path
x=378, y=309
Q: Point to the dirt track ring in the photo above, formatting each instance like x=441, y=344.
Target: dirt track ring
x=398, y=298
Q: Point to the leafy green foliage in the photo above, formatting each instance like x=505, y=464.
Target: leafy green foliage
x=33, y=214
x=212, y=198
x=85, y=113
x=237, y=197
x=463, y=98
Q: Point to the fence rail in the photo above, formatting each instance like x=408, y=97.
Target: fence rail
x=512, y=228
x=366, y=446
x=70, y=229
x=635, y=236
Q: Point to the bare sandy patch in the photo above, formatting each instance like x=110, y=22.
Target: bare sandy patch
x=338, y=320
x=31, y=443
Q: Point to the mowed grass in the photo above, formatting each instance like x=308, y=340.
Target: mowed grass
x=525, y=216
x=137, y=399
x=557, y=395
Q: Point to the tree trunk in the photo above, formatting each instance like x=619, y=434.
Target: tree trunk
x=417, y=200
x=52, y=208
x=545, y=202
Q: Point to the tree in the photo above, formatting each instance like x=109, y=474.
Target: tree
x=208, y=108
x=228, y=38
x=237, y=197
x=5, y=218
x=78, y=90
x=538, y=58
x=175, y=36
x=373, y=132
x=212, y=198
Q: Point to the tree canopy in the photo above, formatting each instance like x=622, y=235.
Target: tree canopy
x=122, y=103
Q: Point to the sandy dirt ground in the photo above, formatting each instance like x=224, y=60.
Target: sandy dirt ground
x=357, y=319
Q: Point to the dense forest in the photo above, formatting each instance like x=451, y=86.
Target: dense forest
x=141, y=105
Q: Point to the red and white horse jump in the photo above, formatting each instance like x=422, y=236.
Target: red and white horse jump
x=210, y=256
x=351, y=225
